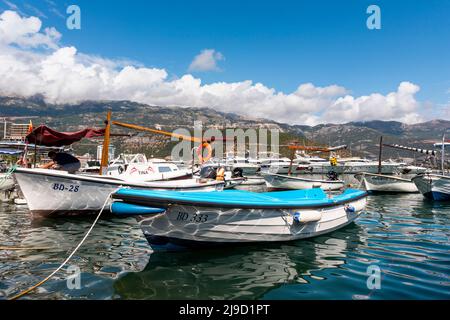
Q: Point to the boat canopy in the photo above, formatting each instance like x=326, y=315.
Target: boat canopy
x=315, y=197
x=46, y=136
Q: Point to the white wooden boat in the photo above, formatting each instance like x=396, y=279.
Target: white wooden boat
x=51, y=192
x=433, y=186
x=278, y=181
x=354, y=165
x=173, y=220
x=384, y=183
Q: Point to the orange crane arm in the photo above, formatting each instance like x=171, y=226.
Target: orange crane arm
x=166, y=133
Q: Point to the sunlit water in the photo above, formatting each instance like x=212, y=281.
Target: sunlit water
x=406, y=237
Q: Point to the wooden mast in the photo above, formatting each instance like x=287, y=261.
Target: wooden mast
x=105, y=149
x=379, y=155
x=292, y=160
x=443, y=155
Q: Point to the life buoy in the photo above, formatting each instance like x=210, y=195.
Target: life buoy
x=200, y=152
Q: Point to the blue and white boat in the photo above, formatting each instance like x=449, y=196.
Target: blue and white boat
x=173, y=220
x=434, y=187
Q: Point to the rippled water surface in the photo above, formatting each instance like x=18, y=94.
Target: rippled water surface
x=406, y=237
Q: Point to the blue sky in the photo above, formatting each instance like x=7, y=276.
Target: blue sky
x=281, y=44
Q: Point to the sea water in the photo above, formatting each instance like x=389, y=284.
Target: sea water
x=398, y=248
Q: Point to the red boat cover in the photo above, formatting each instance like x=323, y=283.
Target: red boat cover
x=45, y=136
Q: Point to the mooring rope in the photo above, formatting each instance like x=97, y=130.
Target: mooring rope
x=21, y=294
x=8, y=174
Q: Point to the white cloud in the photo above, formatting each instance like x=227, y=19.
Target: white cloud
x=64, y=75
x=25, y=32
x=206, y=61
x=400, y=105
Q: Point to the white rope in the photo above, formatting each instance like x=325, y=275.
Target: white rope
x=8, y=174
x=68, y=258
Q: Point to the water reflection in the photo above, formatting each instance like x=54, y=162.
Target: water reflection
x=246, y=272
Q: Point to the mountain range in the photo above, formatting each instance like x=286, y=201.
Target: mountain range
x=362, y=138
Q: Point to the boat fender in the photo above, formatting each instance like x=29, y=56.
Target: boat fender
x=349, y=209
x=307, y=217
x=128, y=209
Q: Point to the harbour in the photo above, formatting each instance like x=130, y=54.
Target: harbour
x=405, y=236
x=153, y=210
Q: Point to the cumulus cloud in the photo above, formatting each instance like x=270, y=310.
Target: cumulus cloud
x=399, y=105
x=63, y=75
x=26, y=32
x=206, y=61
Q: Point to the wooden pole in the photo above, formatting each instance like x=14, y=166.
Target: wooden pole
x=166, y=133
x=379, y=155
x=292, y=160
x=105, y=149
x=443, y=155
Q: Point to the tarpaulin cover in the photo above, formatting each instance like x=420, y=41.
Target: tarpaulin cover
x=10, y=151
x=45, y=136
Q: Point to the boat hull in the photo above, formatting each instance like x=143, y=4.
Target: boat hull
x=376, y=183
x=50, y=193
x=276, y=181
x=236, y=226
x=433, y=187
x=386, y=168
x=200, y=224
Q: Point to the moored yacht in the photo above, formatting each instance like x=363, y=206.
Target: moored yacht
x=247, y=168
x=136, y=167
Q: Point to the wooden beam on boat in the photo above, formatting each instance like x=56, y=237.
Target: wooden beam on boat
x=166, y=133
x=105, y=149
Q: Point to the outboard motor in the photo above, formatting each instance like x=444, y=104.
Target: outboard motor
x=208, y=173
x=237, y=173
x=332, y=175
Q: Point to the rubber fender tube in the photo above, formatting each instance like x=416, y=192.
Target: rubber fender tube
x=127, y=209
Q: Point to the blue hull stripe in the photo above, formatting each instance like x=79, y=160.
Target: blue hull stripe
x=437, y=196
x=161, y=243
